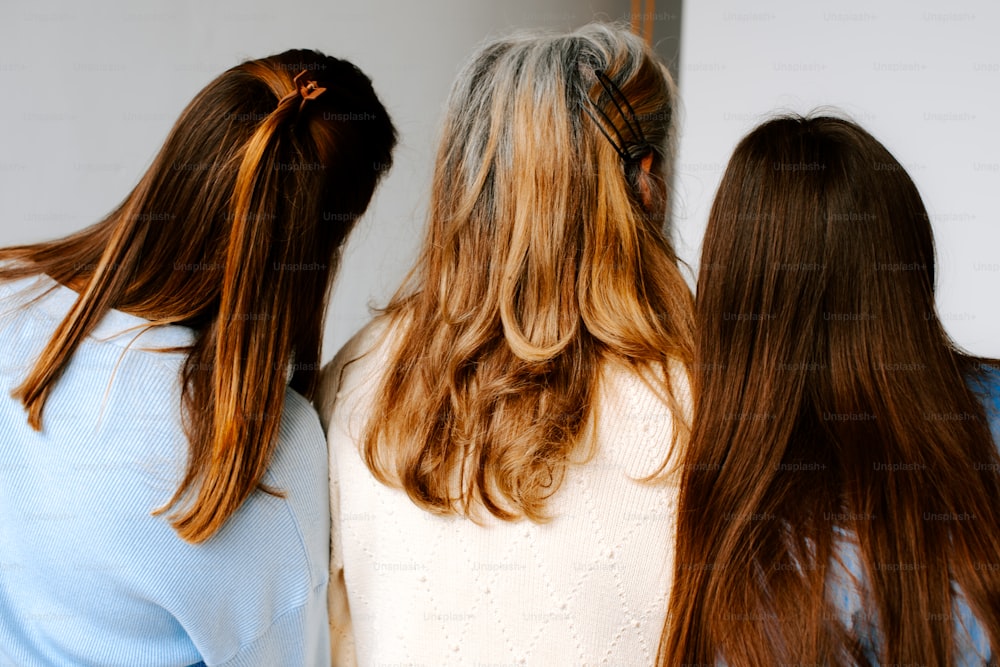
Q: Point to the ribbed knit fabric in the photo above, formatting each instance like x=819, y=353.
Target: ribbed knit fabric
x=87, y=575
x=589, y=587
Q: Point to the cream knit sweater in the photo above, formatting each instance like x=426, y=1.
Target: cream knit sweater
x=588, y=587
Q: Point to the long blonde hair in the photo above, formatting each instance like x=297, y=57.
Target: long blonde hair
x=545, y=256
x=233, y=231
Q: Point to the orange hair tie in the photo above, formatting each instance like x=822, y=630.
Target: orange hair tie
x=306, y=89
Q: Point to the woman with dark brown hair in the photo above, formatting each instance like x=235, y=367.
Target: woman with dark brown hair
x=163, y=487
x=840, y=502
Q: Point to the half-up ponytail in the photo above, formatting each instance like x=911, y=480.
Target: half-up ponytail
x=271, y=194
x=257, y=188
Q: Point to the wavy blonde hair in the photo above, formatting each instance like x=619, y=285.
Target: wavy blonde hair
x=545, y=257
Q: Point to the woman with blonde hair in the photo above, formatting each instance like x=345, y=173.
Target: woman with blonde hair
x=840, y=504
x=163, y=488
x=494, y=431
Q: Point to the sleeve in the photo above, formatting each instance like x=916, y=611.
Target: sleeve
x=296, y=639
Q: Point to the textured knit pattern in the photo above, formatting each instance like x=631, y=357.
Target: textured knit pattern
x=87, y=575
x=588, y=587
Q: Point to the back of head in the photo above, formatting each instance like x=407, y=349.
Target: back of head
x=545, y=254
x=234, y=230
x=827, y=219
x=529, y=167
x=252, y=158
x=819, y=358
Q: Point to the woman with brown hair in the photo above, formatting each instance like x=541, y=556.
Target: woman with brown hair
x=491, y=431
x=164, y=490
x=840, y=502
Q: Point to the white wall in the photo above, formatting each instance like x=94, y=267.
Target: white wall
x=923, y=77
x=89, y=94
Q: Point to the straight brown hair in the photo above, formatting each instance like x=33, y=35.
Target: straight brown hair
x=545, y=257
x=233, y=231
x=828, y=396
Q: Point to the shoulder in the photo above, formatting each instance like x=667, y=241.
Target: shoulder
x=20, y=298
x=984, y=378
x=299, y=421
x=985, y=382
x=358, y=365
x=44, y=303
x=299, y=462
x=21, y=288
x=655, y=386
x=264, y=576
x=643, y=414
x=299, y=469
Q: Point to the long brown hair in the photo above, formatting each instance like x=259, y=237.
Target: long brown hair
x=545, y=257
x=233, y=231
x=827, y=396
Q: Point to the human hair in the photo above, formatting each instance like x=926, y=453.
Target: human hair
x=829, y=404
x=233, y=231
x=545, y=257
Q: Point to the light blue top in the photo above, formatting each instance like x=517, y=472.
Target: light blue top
x=850, y=594
x=87, y=575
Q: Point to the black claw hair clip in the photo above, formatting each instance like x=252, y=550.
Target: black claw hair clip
x=640, y=147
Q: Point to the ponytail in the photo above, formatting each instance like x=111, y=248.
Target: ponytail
x=259, y=183
x=248, y=387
